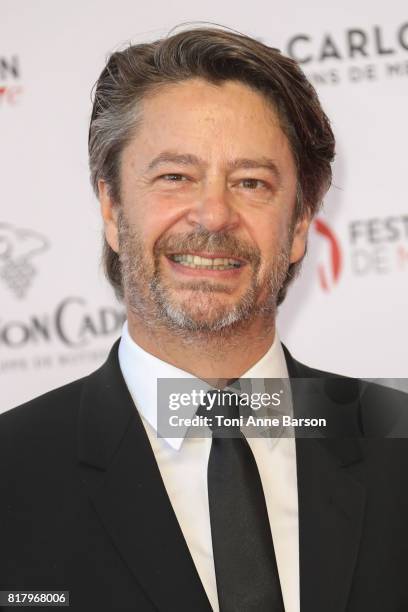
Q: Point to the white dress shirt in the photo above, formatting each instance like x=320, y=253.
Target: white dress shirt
x=183, y=467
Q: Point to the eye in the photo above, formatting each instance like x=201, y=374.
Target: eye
x=253, y=184
x=173, y=177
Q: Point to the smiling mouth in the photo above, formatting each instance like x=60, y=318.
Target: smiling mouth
x=189, y=260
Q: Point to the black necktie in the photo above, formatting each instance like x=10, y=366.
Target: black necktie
x=244, y=557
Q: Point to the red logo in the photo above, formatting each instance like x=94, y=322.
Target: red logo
x=329, y=274
x=10, y=95
x=10, y=88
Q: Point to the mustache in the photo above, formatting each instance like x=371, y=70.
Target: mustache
x=210, y=242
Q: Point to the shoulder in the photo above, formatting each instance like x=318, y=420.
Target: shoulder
x=43, y=426
x=297, y=369
x=372, y=394
x=38, y=411
x=44, y=432
x=59, y=405
x=379, y=410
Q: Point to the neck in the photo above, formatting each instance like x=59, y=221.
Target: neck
x=225, y=355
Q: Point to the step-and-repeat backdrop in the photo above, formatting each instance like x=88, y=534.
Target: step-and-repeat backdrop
x=347, y=312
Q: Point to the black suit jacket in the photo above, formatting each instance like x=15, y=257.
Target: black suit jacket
x=83, y=506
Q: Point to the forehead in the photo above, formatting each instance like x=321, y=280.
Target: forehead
x=211, y=120
x=200, y=93
x=208, y=101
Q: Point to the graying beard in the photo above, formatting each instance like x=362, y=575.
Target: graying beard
x=166, y=315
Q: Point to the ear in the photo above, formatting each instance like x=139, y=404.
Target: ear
x=109, y=210
x=300, y=234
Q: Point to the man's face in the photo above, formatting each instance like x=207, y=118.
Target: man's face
x=205, y=228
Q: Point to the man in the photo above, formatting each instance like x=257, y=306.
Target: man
x=210, y=155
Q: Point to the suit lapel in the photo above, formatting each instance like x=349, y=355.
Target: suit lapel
x=127, y=492
x=331, y=498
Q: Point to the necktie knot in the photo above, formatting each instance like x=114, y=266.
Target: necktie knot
x=222, y=411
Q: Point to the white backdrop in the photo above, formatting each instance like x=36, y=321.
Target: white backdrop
x=346, y=313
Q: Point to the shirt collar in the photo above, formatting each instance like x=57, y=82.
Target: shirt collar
x=141, y=370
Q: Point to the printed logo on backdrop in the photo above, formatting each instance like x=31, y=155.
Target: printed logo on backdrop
x=10, y=80
x=18, y=248
x=378, y=245
x=373, y=246
x=63, y=334
x=329, y=272
x=355, y=54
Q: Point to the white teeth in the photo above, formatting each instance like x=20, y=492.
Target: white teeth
x=216, y=263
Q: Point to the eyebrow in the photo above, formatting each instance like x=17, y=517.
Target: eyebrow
x=260, y=162
x=188, y=159
x=184, y=159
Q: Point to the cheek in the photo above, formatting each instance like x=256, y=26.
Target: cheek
x=151, y=217
x=270, y=234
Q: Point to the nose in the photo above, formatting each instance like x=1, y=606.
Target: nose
x=213, y=207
